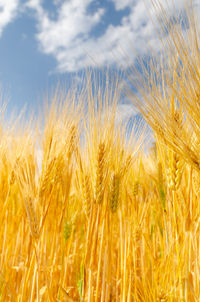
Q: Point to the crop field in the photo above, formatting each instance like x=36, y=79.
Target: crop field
x=91, y=208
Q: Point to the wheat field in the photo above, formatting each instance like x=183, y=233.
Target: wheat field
x=88, y=212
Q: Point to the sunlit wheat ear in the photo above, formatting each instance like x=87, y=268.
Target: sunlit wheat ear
x=99, y=187
x=46, y=177
x=175, y=170
x=12, y=178
x=72, y=140
x=162, y=297
x=33, y=222
x=67, y=230
x=114, y=192
x=87, y=195
x=161, y=188
x=160, y=175
x=127, y=163
x=196, y=182
x=175, y=162
x=136, y=188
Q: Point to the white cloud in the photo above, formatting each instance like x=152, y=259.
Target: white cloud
x=166, y=4
x=122, y=4
x=8, y=11
x=68, y=37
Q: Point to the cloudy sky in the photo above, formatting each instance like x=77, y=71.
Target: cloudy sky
x=43, y=42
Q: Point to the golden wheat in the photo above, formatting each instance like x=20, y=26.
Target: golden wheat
x=98, y=217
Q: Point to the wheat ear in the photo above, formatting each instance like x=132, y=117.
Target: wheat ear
x=99, y=188
x=175, y=170
x=87, y=195
x=72, y=139
x=33, y=222
x=196, y=182
x=114, y=192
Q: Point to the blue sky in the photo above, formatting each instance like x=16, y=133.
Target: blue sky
x=43, y=42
